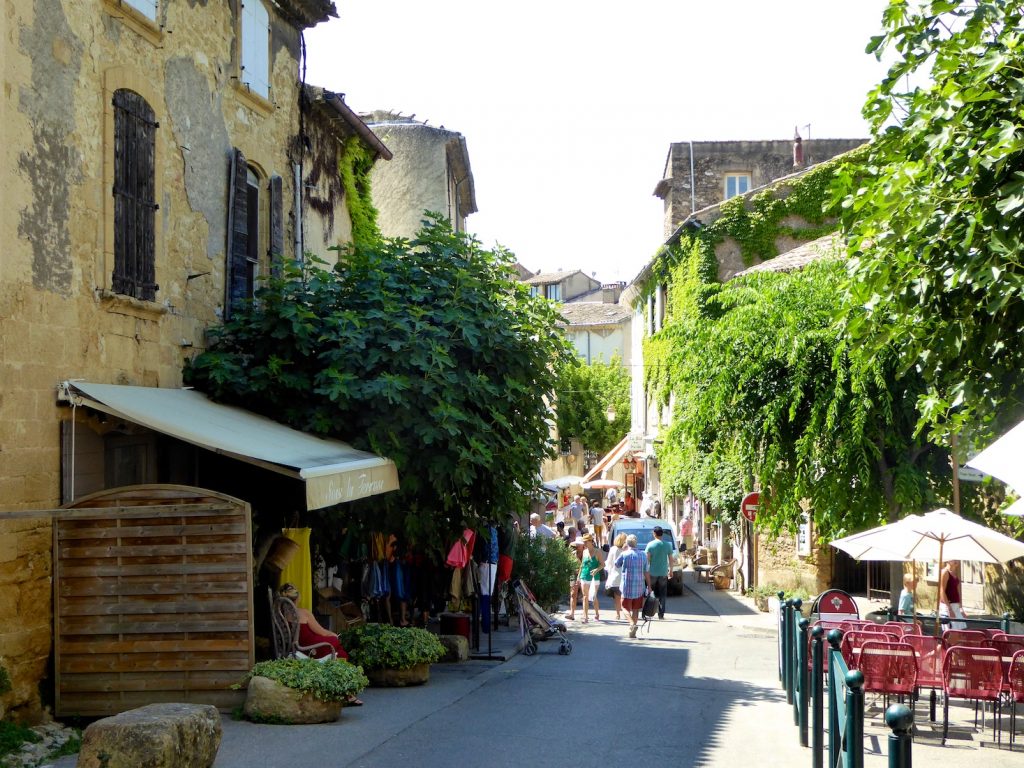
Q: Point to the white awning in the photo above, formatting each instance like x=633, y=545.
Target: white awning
x=333, y=471
x=609, y=460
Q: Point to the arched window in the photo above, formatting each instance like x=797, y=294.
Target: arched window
x=134, y=196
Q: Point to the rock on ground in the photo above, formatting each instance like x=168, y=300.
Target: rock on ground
x=456, y=648
x=154, y=736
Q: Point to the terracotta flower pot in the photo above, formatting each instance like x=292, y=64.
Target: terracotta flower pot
x=398, y=678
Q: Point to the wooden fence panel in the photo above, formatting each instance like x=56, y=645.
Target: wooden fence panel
x=152, y=600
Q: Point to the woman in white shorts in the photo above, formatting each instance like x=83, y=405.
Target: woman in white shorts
x=590, y=576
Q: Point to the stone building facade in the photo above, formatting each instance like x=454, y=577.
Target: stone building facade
x=699, y=174
x=430, y=171
x=149, y=178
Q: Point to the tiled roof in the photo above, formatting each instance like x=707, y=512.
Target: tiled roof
x=549, y=277
x=827, y=247
x=594, y=313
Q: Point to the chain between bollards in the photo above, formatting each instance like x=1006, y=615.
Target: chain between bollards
x=900, y=718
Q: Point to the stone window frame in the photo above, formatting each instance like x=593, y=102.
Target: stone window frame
x=737, y=176
x=114, y=79
x=136, y=20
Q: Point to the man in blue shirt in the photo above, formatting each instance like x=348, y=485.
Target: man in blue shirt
x=659, y=555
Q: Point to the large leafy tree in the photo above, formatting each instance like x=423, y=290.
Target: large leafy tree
x=586, y=394
x=427, y=351
x=936, y=213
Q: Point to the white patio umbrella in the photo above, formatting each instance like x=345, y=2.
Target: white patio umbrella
x=602, y=483
x=1004, y=459
x=1016, y=509
x=566, y=481
x=940, y=535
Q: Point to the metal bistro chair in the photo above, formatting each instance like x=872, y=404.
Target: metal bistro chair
x=928, y=654
x=901, y=628
x=889, y=668
x=1015, y=677
x=853, y=642
x=1007, y=647
x=285, y=622
x=975, y=674
x=971, y=638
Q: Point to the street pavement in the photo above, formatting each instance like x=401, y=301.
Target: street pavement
x=699, y=688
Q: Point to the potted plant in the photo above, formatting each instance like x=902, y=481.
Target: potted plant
x=292, y=691
x=761, y=594
x=393, y=656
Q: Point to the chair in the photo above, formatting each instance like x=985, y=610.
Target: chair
x=835, y=605
x=975, y=674
x=285, y=623
x=852, y=625
x=1015, y=677
x=1008, y=647
x=853, y=643
x=972, y=638
x=889, y=668
x=928, y=654
x=902, y=628
x=720, y=569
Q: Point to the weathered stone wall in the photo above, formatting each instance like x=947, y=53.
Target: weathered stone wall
x=765, y=161
x=62, y=60
x=779, y=564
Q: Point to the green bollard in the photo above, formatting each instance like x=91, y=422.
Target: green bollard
x=794, y=671
x=835, y=638
x=817, y=690
x=900, y=718
x=787, y=651
x=801, y=676
x=781, y=596
x=1006, y=623
x=855, y=719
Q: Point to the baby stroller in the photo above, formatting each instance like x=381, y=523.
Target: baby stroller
x=536, y=624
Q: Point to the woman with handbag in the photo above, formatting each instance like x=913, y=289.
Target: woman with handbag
x=590, y=575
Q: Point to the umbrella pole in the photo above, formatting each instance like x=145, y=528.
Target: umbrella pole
x=938, y=595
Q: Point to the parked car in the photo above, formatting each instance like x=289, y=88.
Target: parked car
x=643, y=528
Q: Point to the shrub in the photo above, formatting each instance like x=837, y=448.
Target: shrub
x=331, y=680
x=546, y=566
x=13, y=735
x=382, y=646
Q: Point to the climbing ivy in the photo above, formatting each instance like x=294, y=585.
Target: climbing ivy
x=354, y=167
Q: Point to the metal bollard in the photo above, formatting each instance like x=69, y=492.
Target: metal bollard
x=835, y=638
x=801, y=676
x=817, y=691
x=855, y=719
x=787, y=651
x=794, y=659
x=1005, y=623
x=781, y=596
x=900, y=718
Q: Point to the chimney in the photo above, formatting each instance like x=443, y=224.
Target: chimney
x=798, y=149
x=610, y=293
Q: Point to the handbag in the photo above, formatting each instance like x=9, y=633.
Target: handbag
x=651, y=606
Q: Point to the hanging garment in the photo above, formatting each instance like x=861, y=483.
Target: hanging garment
x=299, y=570
x=381, y=585
x=459, y=554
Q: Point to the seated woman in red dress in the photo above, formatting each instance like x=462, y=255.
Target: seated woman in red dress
x=311, y=633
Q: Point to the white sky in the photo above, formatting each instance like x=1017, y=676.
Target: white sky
x=569, y=107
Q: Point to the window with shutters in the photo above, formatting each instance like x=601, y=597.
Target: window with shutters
x=256, y=227
x=255, y=63
x=134, y=194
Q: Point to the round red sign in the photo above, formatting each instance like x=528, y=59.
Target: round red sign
x=749, y=505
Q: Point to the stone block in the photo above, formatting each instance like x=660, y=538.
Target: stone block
x=456, y=648
x=154, y=736
x=269, y=700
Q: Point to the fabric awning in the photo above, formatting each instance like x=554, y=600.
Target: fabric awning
x=609, y=460
x=333, y=471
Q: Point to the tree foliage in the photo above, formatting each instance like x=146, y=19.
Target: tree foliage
x=935, y=213
x=429, y=352
x=583, y=396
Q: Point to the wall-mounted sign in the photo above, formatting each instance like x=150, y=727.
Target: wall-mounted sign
x=749, y=505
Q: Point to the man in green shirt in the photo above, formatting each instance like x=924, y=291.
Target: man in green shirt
x=659, y=555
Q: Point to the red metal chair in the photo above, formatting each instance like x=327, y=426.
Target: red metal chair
x=851, y=625
x=827, y=626
x=1007, y=648
x=972, y=638
x=975, y=674
x=835, y=605
x=928, y=653
x=902, y=628
x=1016, y=680
x=889, y=668
x=854, y=640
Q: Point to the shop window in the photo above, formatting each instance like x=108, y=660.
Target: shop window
x=736, y=184
x=256, y=48
x=134, y=194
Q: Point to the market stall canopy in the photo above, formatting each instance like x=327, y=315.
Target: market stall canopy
x=596, y=484
x=333, y=471
x=566, y=481
x=1004, y=459
x=609, y=460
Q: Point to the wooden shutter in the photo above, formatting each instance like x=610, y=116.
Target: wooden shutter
x=238, y=234
x=276, y=225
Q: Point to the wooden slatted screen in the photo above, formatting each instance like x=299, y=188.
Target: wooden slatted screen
x=152, y=599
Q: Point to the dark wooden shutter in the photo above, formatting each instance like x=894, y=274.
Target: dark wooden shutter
x=276, y=225
x=134, y=196
x=238, y=234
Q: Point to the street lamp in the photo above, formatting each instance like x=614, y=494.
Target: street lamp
x=610, y=413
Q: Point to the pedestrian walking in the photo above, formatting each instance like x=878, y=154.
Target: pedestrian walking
x=949, y=595
x=575, y=588
x=613, y=586
x=659, y=558
x=590, y=576
x=576, y=511
x=597, y=524
x=635, y=580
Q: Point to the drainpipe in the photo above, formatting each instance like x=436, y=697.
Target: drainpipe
x=297, y=173
x=693, y=183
